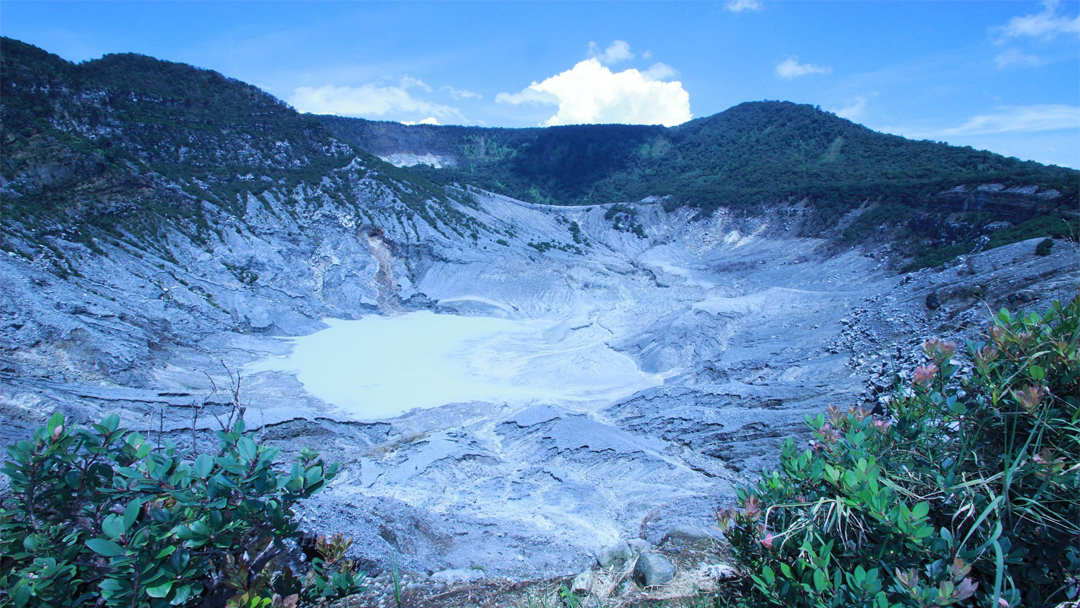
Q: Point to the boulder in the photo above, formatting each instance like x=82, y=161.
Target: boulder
x=582, y=583
x=653, y=569
x=932, y=301
x=686, y=534
x=616, y=555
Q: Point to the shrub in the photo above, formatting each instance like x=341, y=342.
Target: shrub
x=1044, y=247
x=101, y=512
x=968, y=494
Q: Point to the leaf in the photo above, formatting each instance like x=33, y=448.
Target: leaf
x=111, y=422
x=999, y=572
x=986, y=512
x=198, y=530
x=160, y=590
x=957, y=409
x=820, y=582
x=23, y=593
x=246, y=447
x=113, y=526
x=203, y=465
x=131, y=513
x=55, y=421
x=920, y=510
x=143, y=451
x=769, y=575
x=270, y=454
x=850, y=479
x=182, y=594
x=1037, y=372
x=103, y=547
x=230, y=465
x=134, y=440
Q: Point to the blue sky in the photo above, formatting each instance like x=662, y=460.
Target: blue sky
x=1002, y=76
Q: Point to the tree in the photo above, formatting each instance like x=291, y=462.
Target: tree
x=102, y=512
x=967, y=494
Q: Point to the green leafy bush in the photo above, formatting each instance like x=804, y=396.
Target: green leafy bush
x=967, y=495
x=101, y=512
x=1044, y=247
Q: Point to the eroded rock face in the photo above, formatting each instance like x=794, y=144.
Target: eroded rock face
x=750, y=329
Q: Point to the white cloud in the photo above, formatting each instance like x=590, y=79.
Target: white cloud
x=460, y=93
x=1013, y=57
x=738, y=6
x=1046, y=24
x=590, y=93
x=529, y=95
x=371, y=101
x=1005, y=120
x=660, y=71
x=617, y=51
x=853, y=110
x=408, y=82
x=791, y=68
x=1021, y=119
x=431, y=120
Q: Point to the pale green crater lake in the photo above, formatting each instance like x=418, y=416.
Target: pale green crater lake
x=380, y=367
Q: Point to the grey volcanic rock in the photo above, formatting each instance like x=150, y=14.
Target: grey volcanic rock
x=653, y=569
x=616, y=555
x=451, y=577
x=744, y=329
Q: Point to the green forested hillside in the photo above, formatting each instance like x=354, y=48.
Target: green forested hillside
x=780, y=149
x=102, y=140
x=936, y=201
x=123, y=136
x=163, y=112
x=753, y=152
x=129, y=141
x=553, y=165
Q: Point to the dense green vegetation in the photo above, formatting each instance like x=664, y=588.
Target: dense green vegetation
x=104, y=516
x=778, y=150
x=1044, y=247
x=750, y=154
x=554, y=165
x=130, y=145
x=968, y=494
x=134, y=116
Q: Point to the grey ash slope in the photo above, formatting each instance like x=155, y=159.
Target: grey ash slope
x=133, y=270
